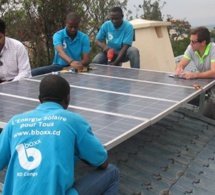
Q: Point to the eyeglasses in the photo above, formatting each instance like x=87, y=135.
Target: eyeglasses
x=1, y=63
x=194, y=42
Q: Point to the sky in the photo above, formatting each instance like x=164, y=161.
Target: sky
x=196, y=12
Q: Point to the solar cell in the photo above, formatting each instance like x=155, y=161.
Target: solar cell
x=117, y=102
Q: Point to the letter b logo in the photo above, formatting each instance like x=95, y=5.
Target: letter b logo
x=25, y=154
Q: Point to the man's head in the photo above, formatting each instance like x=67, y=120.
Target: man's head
x=54, y=88
x=72, y=23
x=2, y=33
x=116, y=16
x=200, y=37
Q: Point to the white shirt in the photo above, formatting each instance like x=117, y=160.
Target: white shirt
x=14, y=57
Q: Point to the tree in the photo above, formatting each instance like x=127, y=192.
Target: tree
x=152, y=11
x=35, y=21
x=179, y=29
x=213, y=34
x=179, y=34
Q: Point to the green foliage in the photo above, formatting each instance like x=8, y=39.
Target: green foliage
x=213, y=35
x=152, y=11
x=179, y=46
x=35, y=21
x=179, y=33
x=179, y=28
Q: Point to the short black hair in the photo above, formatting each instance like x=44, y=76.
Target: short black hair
x=117, y=9
x=2, y=26
x=53, y=88
x=73, y=16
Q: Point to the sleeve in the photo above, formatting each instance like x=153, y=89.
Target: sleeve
x=89, y=148
x=213, y=53
x=101, y=35
x=23, y=62
x=86, y=44
x=129, y=35
x=57, y=39
x=187, y=53
x=4, y=147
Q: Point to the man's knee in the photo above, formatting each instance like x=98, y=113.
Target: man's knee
x=133, y=56
x=99, y=58
x=114, y=171
x=133, y=51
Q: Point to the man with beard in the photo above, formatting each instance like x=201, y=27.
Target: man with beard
x=14, y=60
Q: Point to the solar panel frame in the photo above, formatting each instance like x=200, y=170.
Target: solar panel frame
x=117, y=102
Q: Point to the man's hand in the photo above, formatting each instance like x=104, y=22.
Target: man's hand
x=179, y=71
x=189, y=75
x=105, y=49
x=75, y=64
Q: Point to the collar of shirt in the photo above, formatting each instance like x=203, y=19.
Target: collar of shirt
x=49, y=105
x=66, y=35
x=5, y=45
x=118, y=29
x=207, y=50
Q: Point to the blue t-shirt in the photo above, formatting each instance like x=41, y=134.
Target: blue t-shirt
x=73, y=48
x=116, y=37
x=41, y=147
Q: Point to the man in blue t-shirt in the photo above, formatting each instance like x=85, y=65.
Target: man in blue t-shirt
x=72, y=48
x=41, y=147
x=117, y=34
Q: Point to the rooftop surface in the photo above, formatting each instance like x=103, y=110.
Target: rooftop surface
x=175, y=156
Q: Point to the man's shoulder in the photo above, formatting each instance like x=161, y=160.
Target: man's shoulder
x=59, y=32
x=82, y=34
x=12, y=41
x=107, y=23
x=213, y=45
x=127, y=23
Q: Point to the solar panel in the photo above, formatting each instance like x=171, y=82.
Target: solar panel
x=117, y=102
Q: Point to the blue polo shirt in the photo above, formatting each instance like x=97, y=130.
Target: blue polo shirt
x=116, y=37
x=73, y=48
x=40, y=148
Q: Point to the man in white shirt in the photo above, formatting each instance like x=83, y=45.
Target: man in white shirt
x=14, y=59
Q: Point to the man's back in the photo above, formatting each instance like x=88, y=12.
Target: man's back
x=45, y=141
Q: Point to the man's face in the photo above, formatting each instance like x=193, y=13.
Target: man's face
x=116, y=19
x=195, y=44
x=72, y=26
x=2, y=40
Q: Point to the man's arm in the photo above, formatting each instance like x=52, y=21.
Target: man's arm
x=4, y=148
x=102, y=166
x=23, y=64
x=201, y=75
x=179, y=70
x=120, y=55
x=89, y=149
x=85, y=59
x=72, y=63
x=102, y=45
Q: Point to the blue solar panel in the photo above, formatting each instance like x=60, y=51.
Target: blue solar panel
x=117, y=102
